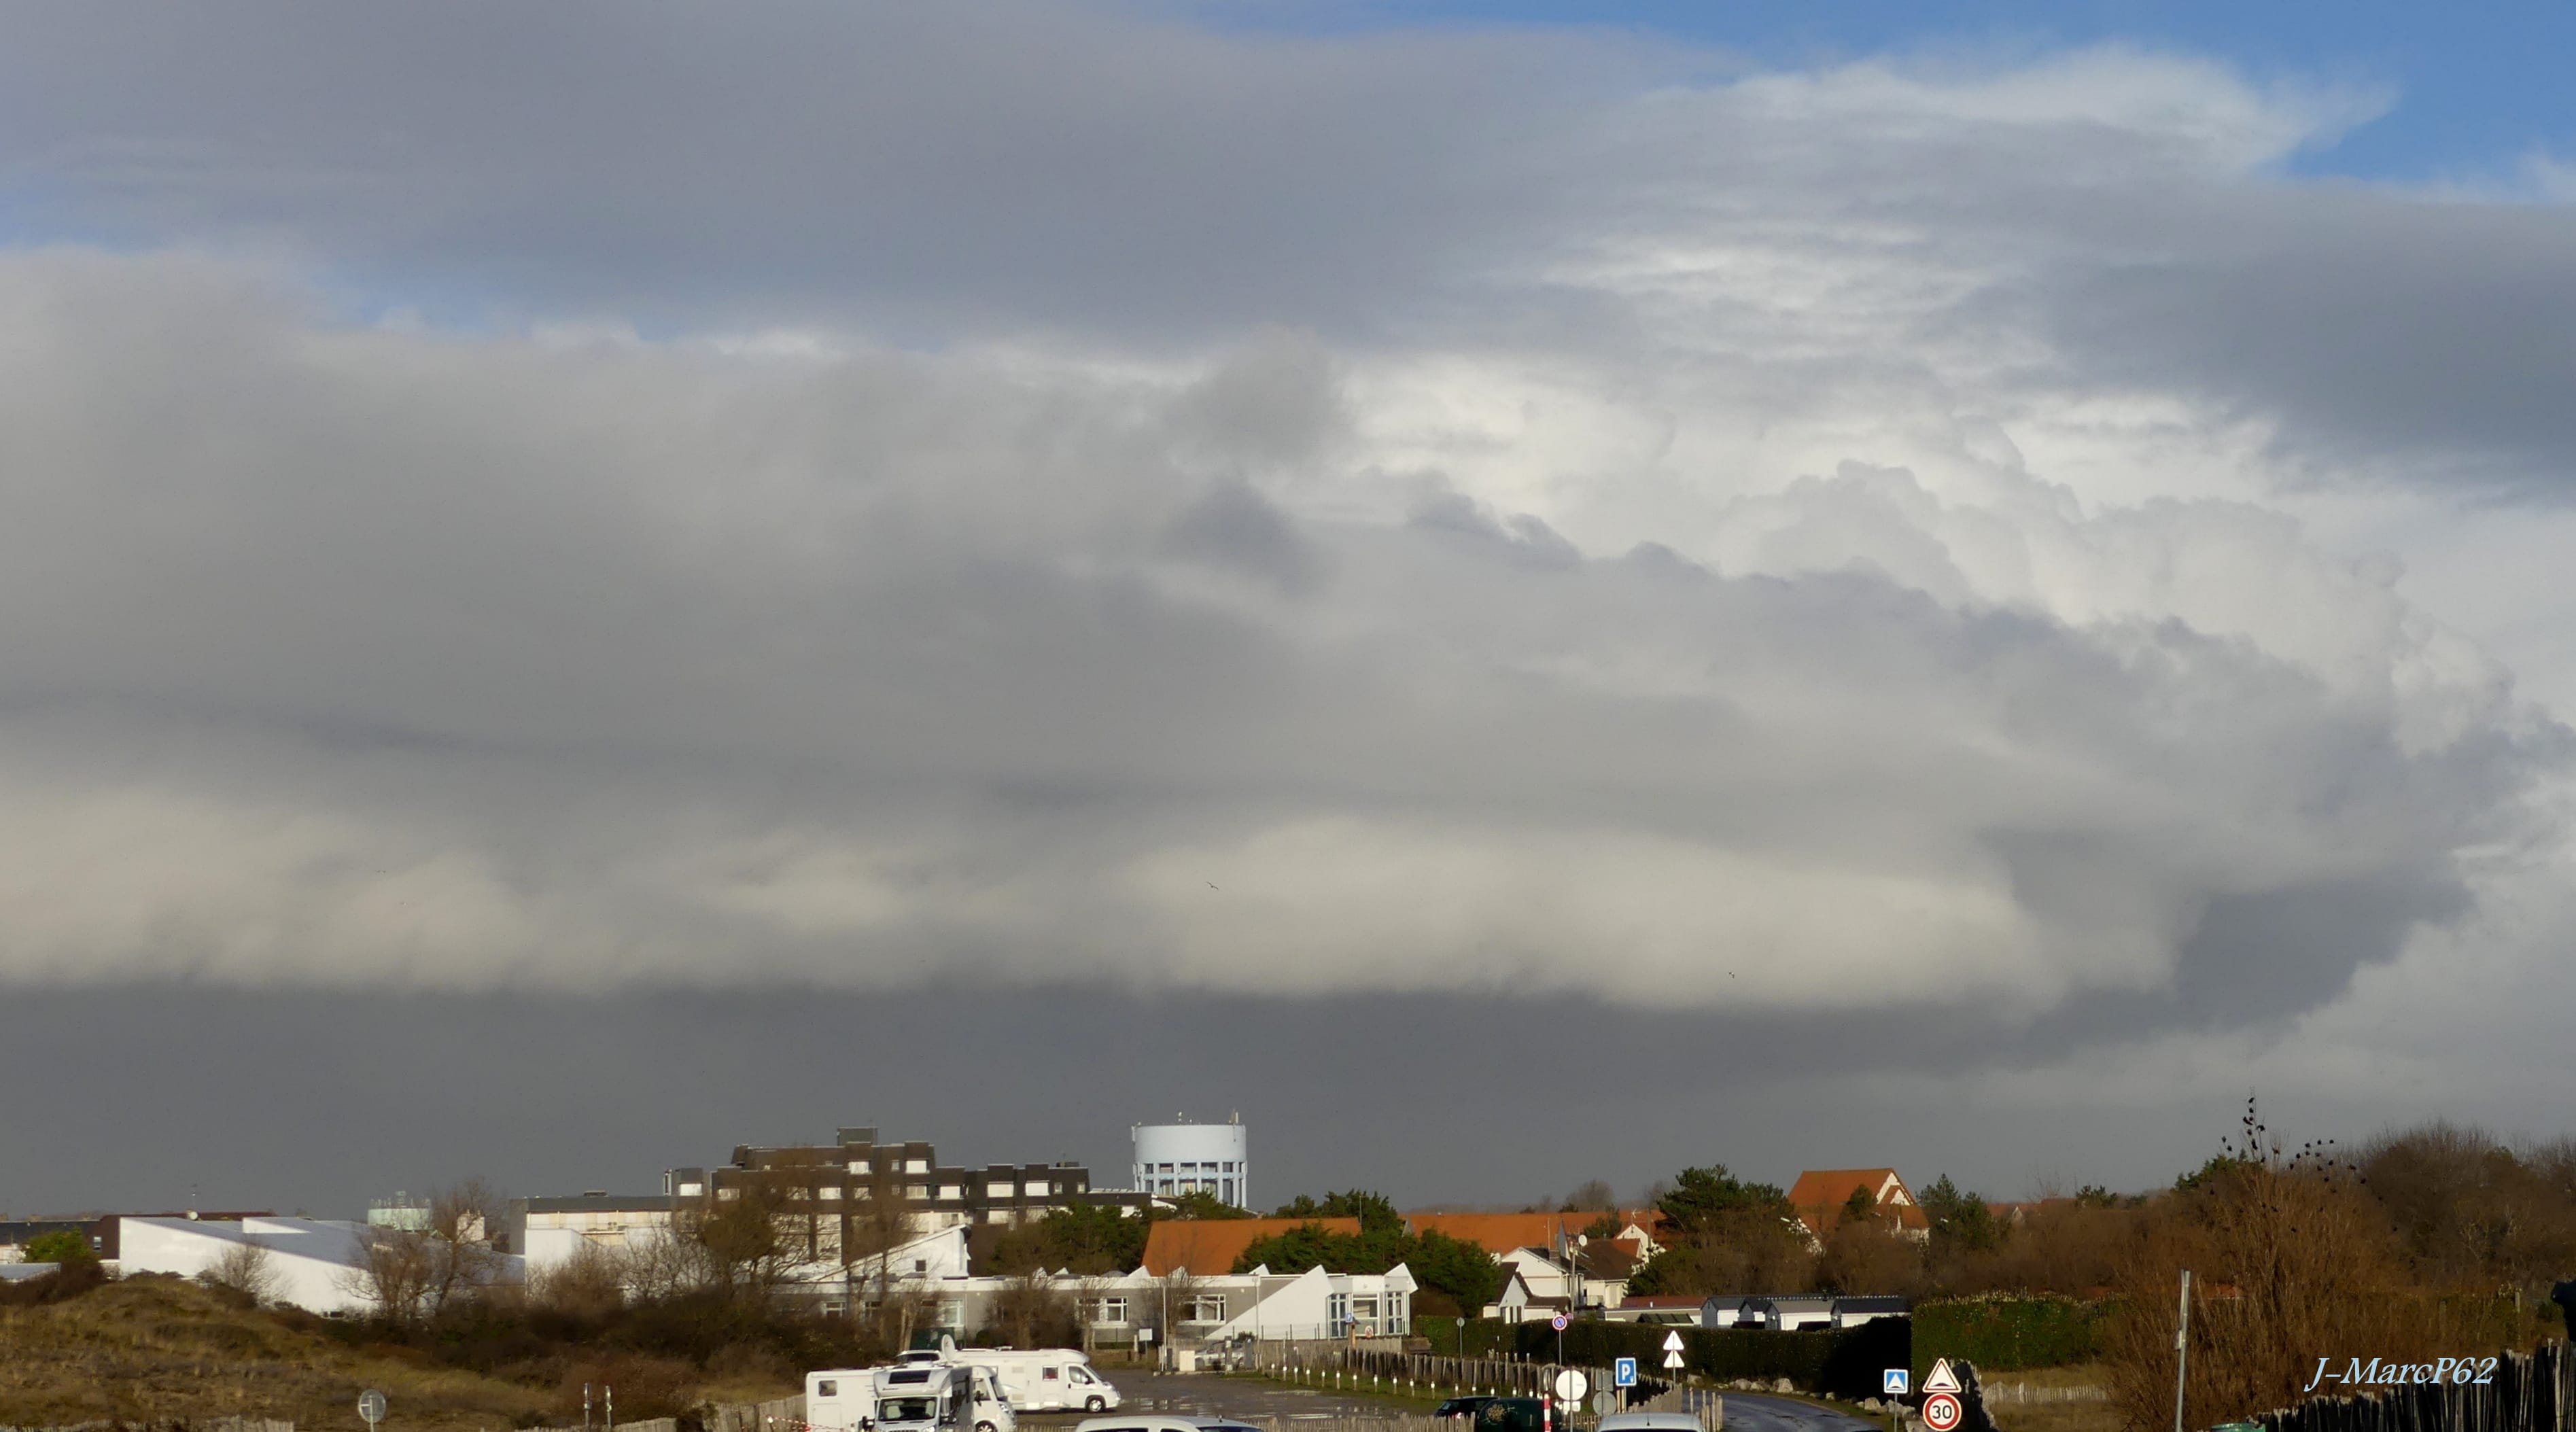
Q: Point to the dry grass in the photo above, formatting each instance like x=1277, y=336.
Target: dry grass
x=151, y=1349
x=2040, y=1414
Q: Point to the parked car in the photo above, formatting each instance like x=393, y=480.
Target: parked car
x=1512, y=1414
x=1651, y=1422
x=1462, y=1406
x=1161, y=1422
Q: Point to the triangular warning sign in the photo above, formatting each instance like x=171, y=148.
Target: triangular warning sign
x=1672, y=1342
x=1942, y=1378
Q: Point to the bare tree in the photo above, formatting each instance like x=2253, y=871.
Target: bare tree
x=1590, y=1196
x=392, y=1269
x=410, y=1271
x=1033, y=1312
x=246, y=1268
x=463, y=1218
x=590, y=1283
x=663, y=1263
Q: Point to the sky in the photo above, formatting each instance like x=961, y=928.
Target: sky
x=1516, y=594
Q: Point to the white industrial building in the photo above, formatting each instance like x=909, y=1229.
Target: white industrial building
x=312, y=1263
x=1191, y=1309
x=553, y=1232
x=1179, y=1158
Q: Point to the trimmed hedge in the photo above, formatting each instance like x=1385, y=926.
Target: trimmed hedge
x=1844, y=1363
x=2009, y=1334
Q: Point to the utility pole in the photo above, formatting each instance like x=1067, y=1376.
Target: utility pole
x=2182, y=1347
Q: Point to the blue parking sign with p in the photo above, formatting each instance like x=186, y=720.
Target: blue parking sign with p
x=1623, y=1372
x=1892, y=1382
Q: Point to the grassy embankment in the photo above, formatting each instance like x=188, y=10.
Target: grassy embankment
x=155, y=1349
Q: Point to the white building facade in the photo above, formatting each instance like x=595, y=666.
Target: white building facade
x=312, y=1263
x=1183, y=1158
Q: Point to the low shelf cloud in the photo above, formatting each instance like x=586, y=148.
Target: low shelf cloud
x=1069, y=500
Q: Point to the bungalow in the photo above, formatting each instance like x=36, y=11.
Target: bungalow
x=1500, y=1233
x=1584, y=1273
x=1658, y=1308
x=1521, y=1300
x=1820, y=1196
x=1793, y=1312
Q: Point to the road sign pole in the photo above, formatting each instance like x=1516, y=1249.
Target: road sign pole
x=2182, y=1346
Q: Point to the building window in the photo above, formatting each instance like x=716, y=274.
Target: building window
x=1205, y=1308
x=1033, y=1190
x=917, y=1191
x=1107, y=1312
x=692, y=1190
x=859, y=1166
x=831, y=1192
x=950, y=1190
x=997, y=1190
x=917, y=1166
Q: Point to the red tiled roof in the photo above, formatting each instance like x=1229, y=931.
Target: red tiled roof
x=1210, y=1245
x=1500, y=1233
x=1819, y=1195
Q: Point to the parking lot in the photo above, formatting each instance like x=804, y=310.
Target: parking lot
x=1206, y=1395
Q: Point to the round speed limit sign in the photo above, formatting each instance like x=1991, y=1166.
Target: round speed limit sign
x=1940, y=1412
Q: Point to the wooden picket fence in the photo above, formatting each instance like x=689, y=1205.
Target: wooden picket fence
x=776, y=1415
x=2527, y=1393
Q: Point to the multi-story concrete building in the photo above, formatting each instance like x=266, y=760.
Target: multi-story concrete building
x=844, y=1178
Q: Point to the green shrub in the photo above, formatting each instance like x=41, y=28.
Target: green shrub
x=2003, y=1334
x=60, y=1246
x=1840, y=1363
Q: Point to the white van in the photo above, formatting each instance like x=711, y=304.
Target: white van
x=1052, y=1379
x=913, y=1397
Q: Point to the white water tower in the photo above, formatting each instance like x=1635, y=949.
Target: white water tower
x=1181, y=1157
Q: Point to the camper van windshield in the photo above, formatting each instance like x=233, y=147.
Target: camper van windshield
x=908, y=1409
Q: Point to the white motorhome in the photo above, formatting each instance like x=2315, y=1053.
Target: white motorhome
x=912, y=1397
x=1053, y=1379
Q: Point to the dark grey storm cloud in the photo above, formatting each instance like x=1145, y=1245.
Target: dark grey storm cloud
x=320, y=1101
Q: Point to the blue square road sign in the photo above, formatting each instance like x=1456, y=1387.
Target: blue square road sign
x=1893, y=1381
x=1623, y=1372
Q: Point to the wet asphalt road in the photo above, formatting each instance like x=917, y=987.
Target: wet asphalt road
x=1753, y=1412
x=1203, y=1396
